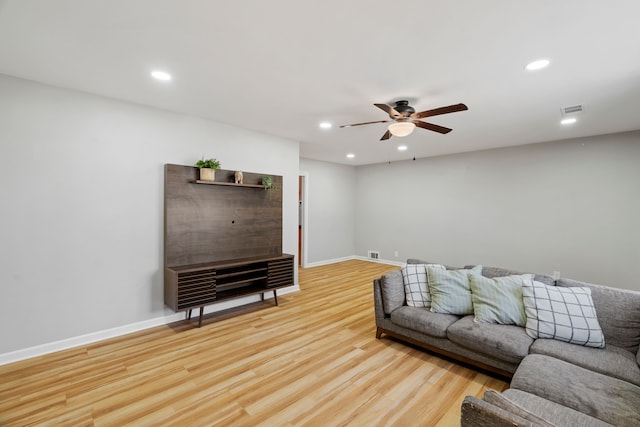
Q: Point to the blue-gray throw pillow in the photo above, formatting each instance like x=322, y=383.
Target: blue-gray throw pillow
x=450, y=291
x=499, y=299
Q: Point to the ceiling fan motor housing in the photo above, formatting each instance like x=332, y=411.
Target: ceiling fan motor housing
x=404, y=108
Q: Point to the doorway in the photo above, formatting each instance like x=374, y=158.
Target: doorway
x=302, y=218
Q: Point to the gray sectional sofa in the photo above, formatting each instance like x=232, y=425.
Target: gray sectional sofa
x=552, y=382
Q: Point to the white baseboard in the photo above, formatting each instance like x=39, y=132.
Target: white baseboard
x=328, y=261
x=352, y=257
x=380, y=261
x=39, y=350
x=52, y=347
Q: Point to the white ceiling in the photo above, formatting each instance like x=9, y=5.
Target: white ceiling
x=283, y=66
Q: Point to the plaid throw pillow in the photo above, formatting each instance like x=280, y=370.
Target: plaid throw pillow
x=564, y=314
x=416, y=291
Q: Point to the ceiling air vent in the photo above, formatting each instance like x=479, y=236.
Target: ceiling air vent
x=574, y=109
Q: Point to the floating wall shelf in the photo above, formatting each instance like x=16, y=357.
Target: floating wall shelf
x=232, y=184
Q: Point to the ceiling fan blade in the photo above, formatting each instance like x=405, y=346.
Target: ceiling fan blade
x=389, y=110
x=431, y=126
x=437, y=111
x=386, y=136
x=365, y=123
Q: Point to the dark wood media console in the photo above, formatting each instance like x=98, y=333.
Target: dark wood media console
x=195, y=286
x=222, y=240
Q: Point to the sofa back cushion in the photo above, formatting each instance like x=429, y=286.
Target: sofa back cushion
x=500, y=272
x=419, y=261
x=618, y=313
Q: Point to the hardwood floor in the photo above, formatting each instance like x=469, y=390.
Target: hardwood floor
x=313, y=360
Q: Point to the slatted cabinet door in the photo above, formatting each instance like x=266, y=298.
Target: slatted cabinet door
x=280, y=272
x=196, y=288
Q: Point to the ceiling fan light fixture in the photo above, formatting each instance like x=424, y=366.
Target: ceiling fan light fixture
x=401, y=128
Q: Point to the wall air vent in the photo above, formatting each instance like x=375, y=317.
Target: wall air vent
x=373, y=254
x=574, y=109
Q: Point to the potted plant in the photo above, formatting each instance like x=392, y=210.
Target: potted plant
x=208, y=169
x=268, y=184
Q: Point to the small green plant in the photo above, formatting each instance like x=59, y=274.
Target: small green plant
x=208, y=164
x=267, y=182
x=269, y=185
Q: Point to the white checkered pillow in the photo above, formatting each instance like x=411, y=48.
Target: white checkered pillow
x=564, y=314
x=416, y=290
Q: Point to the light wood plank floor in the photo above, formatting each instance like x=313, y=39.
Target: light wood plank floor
x=313, y=360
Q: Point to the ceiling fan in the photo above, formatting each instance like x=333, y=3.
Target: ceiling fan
x=405, y=118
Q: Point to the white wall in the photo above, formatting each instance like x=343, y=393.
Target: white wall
x=569, y=206
x=331, y=210
x=81, y=187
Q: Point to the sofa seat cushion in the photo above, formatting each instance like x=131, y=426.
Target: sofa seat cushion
x=609, y=399
x=505, y=342
x=422, y=320
x=611, y=361
x=618, y=313
x=552, y=412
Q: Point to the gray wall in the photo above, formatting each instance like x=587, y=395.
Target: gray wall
x=81, y=189
x=568, y=206
x=81, y=185
x=331, y=210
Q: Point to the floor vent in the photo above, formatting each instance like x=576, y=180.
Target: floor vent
x=572, y=110
x=373, y=254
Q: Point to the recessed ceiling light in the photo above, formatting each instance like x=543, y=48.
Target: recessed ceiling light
x=350, y=156
x=537, y=65
x=569, y=121
x=325, y=125
x=161, y=75
x=402, y=148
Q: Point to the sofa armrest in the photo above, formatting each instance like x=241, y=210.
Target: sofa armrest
x=377, y=300
x=478, y=413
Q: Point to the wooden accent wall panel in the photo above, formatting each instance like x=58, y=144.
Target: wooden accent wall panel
x=209, y=223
